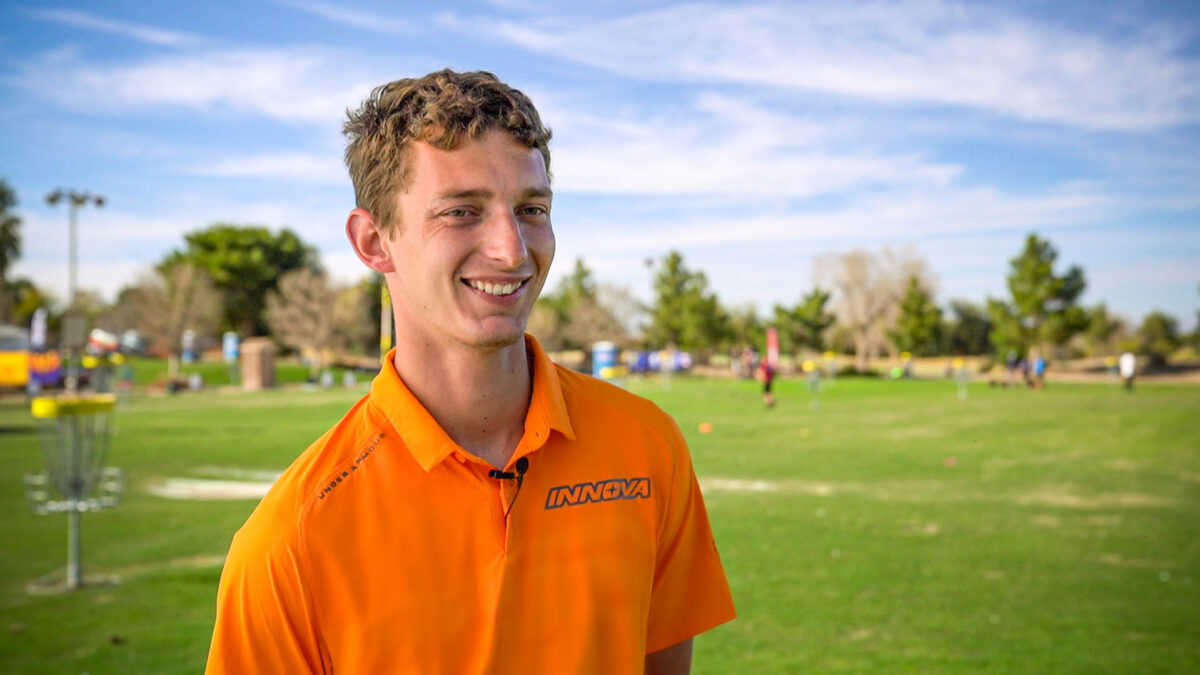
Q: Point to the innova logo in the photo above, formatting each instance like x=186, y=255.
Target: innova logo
x=600, y=491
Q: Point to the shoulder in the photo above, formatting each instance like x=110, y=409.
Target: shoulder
x=279, y=516
x=599, y=408
x=592, y=395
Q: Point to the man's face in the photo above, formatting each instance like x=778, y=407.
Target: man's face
x=473, y=242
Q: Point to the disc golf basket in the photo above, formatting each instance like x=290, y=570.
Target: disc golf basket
x=75, y=435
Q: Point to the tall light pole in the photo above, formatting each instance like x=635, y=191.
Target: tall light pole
x=74, y=200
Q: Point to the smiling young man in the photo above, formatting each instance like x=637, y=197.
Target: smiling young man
x=481, y=510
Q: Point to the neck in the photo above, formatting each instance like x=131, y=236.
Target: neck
x=480, y=398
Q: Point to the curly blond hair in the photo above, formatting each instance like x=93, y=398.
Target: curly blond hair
x=441, y=109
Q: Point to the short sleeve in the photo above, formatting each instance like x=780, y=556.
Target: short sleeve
x=265, y=622
x=690, y=594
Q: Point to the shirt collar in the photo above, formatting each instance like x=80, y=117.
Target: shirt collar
x=429, y=443
x=547, y=407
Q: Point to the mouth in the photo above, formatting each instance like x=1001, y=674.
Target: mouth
x=498, y=289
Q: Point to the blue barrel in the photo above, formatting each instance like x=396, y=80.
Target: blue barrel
x=230, y=342
x=604, y=360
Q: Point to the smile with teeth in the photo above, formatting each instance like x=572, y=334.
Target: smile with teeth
x=496, y=289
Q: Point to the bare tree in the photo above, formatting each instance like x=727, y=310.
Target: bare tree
x=355, y=314
x=867, y=292
x=303, y=314
x=172, y=299
x=577, y=313
x=626, y=309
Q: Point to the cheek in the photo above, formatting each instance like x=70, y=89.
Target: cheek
x=543, y=245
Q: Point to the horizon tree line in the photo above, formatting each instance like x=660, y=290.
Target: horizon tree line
x=254, y=281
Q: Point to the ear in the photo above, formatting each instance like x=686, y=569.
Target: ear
x=367, y=241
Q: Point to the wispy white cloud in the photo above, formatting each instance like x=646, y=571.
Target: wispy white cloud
x=87, y=21
x=324, y=169
x=897, y=217
x=919, y=52
x=716, y=145
x=350, y=17
x=115, y=243
x=293, y=84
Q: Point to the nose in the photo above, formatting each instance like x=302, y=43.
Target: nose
x=505, y=241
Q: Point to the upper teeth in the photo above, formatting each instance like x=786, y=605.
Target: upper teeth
x=495, y=289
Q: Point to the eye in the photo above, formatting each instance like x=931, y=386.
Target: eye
x=534, y=210
x=458, y=212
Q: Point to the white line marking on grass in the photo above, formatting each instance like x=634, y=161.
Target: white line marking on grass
x=234, y=473
x=195, y=488
x=736, y=485
x=199, y=561
x=747, y=485
x=1051, y=496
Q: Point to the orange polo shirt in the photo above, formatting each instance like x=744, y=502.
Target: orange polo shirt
x=385, y=548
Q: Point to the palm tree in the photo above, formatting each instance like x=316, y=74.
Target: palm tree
x=10, y=224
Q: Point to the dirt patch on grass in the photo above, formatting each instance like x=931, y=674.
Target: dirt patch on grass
x=1066, y=498
x=925, y=491
x=1123, y=465
x=200, y=561
x=1117, y=560
x=1039, y=459
x=234, y=473
x=920, y=528
x=197, y=488
x=737, y=485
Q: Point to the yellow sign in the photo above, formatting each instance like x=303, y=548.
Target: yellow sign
x=45, y=407
x=14, y=369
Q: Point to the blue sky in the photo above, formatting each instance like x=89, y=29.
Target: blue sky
x=756, y=138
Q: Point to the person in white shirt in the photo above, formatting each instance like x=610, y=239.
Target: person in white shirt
x=1127, y=364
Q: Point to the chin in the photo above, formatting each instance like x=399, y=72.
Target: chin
x=499, y=337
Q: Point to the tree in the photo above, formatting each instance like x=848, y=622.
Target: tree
x=10, y=230
x=173, y=299
x=25, y=299
x=867, y=291
x=246, y=264
x=629, y=312
x=967, y=333
x=918, y=325
x=804, y=325
x=361, y=304
x=10, y=247
x=1195, y=338
x=1043, y=307
x=1101, y=327
x=574, y=317
x=685, y=314
x=745, y=328
x=1158, y=337
x=304, y=314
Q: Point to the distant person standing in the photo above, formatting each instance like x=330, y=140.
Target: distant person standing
x=1127, y=365
x=766, y=375
x=1011, y=361
x=1039, y=370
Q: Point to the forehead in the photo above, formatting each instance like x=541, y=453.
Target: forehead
x=493, y=160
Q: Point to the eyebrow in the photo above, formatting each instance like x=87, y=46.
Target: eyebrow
x=484, y=193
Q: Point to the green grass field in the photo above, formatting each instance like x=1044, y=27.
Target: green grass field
x=894, y=528
x=150, y=372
